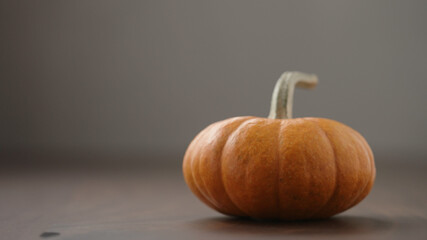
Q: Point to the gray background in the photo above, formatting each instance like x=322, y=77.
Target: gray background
x=147, y=76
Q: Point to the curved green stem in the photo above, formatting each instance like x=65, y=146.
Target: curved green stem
x=283, y=93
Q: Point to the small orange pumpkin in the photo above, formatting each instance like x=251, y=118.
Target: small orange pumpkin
x=278, y=167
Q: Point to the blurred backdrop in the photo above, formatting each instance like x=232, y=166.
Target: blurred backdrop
x=144, y=77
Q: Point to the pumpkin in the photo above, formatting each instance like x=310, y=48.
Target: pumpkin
x=279, y=167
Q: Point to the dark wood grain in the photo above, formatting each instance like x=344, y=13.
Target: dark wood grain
x=155, y=203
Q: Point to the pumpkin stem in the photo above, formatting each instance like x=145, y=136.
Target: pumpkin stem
x=283, y=93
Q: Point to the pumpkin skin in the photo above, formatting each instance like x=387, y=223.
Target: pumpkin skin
x=289, y=169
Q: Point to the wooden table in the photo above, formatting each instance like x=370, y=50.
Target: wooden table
x=153, y=202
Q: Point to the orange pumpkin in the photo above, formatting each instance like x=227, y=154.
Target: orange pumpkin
x=278, y=167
